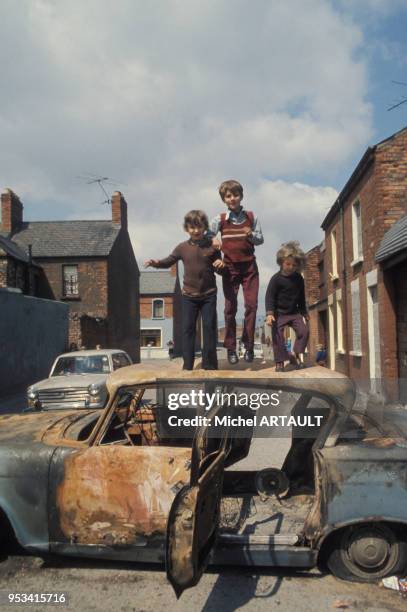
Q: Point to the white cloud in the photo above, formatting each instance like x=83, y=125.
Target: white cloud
x=173, y=97
x=286, y=211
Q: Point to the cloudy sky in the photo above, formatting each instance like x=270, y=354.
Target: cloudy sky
x=171, y=97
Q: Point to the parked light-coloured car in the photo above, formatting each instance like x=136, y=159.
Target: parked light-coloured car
x=77, y=380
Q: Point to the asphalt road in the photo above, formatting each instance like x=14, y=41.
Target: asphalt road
x=107, y=586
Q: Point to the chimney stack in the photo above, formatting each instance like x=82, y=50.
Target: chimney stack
x=11, y=211
x=119, y=210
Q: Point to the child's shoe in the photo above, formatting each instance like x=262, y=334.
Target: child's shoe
x=232, y=357
x=293, y=360
x=248, y=356
x=280, y=366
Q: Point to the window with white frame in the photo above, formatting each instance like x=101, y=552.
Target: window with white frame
x=334, y=255
x=356, y=326
x=158, y=309
x=70, y=281
x=339, y=322
x=151, y=338
x=357, y=232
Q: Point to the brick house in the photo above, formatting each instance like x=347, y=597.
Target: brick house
x=357, y=298
x=17, y=269
x=88, y=264
x=160, y=313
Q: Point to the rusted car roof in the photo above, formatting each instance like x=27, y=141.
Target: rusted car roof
x=314, y=379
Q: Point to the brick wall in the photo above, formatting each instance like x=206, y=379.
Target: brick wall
x=381, y=190
x=92, y=299
x=14, y=273
x=146, y=308
x=312, y=275
x=123, y=298
x=92, y=284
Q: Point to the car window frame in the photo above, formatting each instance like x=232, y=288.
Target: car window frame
x=327, y=436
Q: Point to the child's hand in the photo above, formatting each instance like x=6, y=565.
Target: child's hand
x=151, y=262
x=306, y=317
x=218, y=264
x=270, y=319
x=216, y=244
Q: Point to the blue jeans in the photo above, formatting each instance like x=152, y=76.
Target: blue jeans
x=191, y=307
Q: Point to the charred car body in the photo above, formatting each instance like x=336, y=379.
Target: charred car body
x=120, y=485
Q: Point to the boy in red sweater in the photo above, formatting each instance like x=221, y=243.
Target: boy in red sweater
x=240, y=231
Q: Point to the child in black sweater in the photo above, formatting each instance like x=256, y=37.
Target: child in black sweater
x=285, y=305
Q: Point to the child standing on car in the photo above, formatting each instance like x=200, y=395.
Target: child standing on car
x=285, y=305
x=200, y=259
x=240, y=231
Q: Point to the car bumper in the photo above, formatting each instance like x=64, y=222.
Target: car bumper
x=80, y=405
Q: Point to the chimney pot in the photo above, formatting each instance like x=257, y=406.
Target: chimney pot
x=119, y=209
x=11, y=211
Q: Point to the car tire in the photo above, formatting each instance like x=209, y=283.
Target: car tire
x=366, y=553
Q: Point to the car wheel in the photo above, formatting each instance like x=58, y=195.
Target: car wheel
x=366, y=553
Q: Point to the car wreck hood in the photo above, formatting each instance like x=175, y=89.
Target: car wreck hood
x=316, y=380
x=31, y=426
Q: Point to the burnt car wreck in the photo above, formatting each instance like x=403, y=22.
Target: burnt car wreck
x=121, y=484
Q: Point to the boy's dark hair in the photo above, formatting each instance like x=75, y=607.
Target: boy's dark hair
x=233, y=186
x=196, y=218
x=291, y=249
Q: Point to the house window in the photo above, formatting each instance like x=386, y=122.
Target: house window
x=158, y=309
x=339, y=324
x=356, y=328
x=151, y=338
x=70, y=279
x=334, y=257
x=357, y=233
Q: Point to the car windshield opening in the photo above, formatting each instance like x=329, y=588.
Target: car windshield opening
x=92, y=364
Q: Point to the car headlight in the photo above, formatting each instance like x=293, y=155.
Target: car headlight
x=32, y=394
x=94, y=390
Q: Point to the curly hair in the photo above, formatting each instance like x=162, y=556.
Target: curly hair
x=196, y=218
x=291, y=249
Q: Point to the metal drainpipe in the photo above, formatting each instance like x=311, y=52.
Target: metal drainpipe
x=344, y=290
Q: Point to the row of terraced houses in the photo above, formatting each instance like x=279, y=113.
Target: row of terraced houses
x=356, y=278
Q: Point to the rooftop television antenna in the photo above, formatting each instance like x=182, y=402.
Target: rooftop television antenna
x=399, y=102
x=91, y=179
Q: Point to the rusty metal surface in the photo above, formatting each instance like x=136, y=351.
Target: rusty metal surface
x=30, y=427
x=24, y=491
x=361, y=482
x=115, y=495
x=315, y=379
